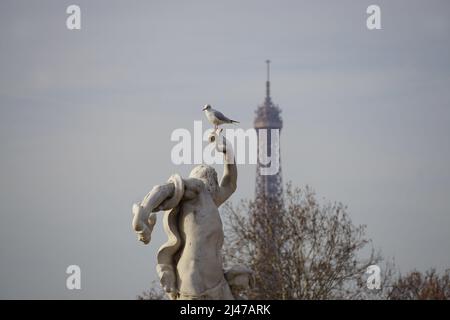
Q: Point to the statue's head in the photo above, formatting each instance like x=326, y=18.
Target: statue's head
x=208, y=176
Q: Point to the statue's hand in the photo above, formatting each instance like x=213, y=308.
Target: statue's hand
x=171, y=292
x=143, y=224
x=219, y=140
x=168, y=281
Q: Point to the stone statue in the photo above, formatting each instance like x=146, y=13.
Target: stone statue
x=190, y=264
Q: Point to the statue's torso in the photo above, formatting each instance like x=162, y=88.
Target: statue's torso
x=200, y=265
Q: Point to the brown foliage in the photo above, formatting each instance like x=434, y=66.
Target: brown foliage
x=422, y=286
x=305, y=251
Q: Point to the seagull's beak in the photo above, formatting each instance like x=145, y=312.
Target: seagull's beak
x=204, y=108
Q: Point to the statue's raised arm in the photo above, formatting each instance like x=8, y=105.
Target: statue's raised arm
x=228, y=184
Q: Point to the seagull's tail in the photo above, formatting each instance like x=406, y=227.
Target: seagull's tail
x=234, y=121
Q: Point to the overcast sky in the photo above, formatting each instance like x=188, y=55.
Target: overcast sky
x=86, y=118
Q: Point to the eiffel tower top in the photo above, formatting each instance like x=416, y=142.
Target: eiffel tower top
x=268, y=80
x=268, y=114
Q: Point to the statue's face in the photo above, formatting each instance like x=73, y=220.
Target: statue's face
x=208, y=175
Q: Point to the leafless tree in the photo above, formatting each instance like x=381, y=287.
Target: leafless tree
x=299, y=250
x=422, y=286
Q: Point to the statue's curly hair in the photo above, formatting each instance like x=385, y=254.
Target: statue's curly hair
x=208, y=175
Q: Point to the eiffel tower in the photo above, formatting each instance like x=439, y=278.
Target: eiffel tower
x=269, y=188
x=268, y=208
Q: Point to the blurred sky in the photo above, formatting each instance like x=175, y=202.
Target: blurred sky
x=86, y=118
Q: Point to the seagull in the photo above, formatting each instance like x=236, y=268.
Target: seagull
x=216, y=117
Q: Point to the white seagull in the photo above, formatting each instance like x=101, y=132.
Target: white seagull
x=216, y=117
